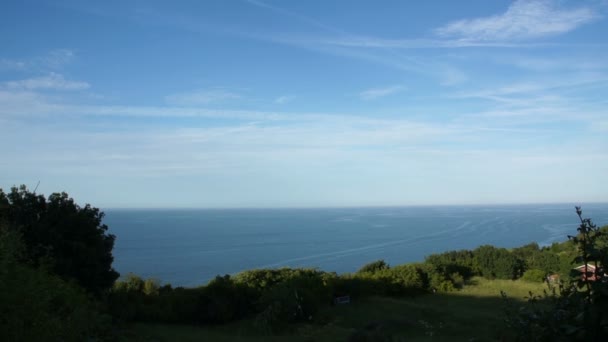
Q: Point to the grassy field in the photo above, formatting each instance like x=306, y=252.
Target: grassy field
x=475, y=313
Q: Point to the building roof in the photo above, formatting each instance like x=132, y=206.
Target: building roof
x=582, y=267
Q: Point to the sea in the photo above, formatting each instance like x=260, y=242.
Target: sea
x=189, y=247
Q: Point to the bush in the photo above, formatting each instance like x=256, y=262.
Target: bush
x=400, y=280
x=284, y=304
x=357, y=286
x=38, y=306
x=461, y=262
x=534, y=275
x=227, y=300
x=151, y=287
x=579, y=311
x=373, y=267
x=497, y=262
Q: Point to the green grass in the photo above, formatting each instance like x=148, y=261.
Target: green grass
x=473, y=313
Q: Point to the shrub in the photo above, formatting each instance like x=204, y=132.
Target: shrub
x=461, y=262
x=579, y=312
x=286, y=303
x=534, y=275
x=373, y=267
x=38, y=306
x=227, y=300
x=151, y=287
x=497, y=262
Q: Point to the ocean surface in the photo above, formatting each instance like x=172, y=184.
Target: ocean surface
x=188, y=247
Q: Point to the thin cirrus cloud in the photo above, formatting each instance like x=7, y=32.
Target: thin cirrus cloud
x=284, y=99
x=52, y=60
x=522, y=20
x=201, y=97
x=52, y=81
x=9, y=64
x=376, y=93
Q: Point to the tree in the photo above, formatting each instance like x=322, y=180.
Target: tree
x=448, y=263
x=593, y=287
x=374, y=266
x=67, y=239
x=497, y=262
x=579, y=310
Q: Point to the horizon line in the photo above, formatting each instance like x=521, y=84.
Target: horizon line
x=573, y=204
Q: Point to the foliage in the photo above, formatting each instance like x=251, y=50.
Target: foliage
x=37, y=306
x=278, y=297
x=450, y=270
x=223, y=299
x=284, y=304
x=544, y=317
x=579, y=310
x=227, y=300
x=533, y=257
x=405, y=279
x=534, y=275
x=461, y=262
x=593, y=286
x=472, y=314
x=374, y=266
x=59, y=234
x=497, y=262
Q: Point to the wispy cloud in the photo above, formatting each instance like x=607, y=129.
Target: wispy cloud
x=294, y=15
x=601, y=126
x=286, y=150
x=284, y=99
x=450, y=76
x=553, y=63
x=445, y=74
x=335, y=41
x=57, y=58
x=53, y=60
x=524, y=19
x=535, y=87
x=10, y=64
x=281, y=156
x=371, y=42
x=201, y=97
x=376, y=93
x=52, y=81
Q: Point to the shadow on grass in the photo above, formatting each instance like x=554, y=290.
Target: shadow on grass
x=439, y=316
x=472, y=282
x=452, y=316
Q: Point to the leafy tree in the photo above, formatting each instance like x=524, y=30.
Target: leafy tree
x=593, y=287
x=448, y=263
x=579, y=311
x=374, y=266
x=497, y=262
x=69, y=239
x=534, y=257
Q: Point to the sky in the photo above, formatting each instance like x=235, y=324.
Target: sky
x=266, y=103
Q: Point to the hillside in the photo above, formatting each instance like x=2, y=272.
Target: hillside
x=474, y=313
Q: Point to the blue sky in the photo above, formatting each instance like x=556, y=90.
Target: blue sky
x=305, y=103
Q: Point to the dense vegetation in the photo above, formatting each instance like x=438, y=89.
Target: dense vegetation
x=55, y=266
x=57, y=234
x=56, y=282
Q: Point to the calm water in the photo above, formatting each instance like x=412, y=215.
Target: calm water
x=189, y=247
